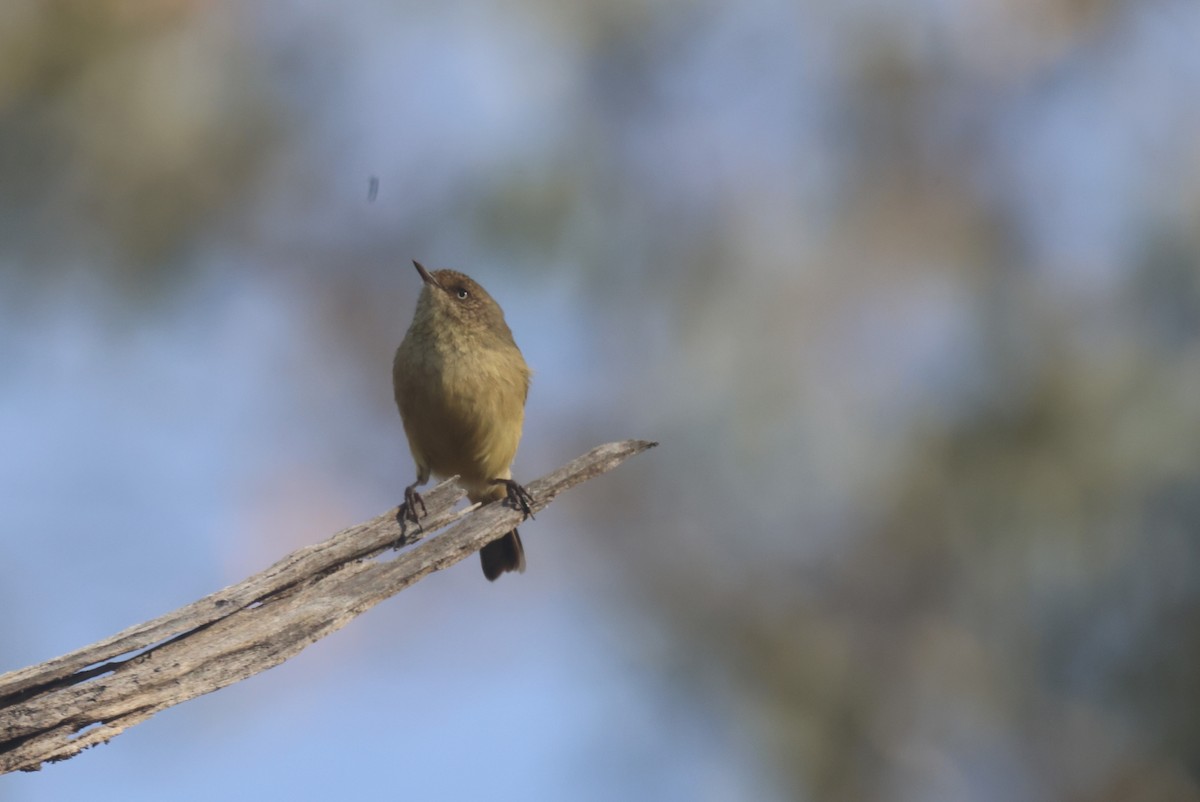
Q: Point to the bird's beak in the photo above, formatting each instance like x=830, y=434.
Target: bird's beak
x=425, y=276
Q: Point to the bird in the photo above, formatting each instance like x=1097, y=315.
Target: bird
x=460, y=384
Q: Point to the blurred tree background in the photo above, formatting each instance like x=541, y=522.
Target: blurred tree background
x=908, y=292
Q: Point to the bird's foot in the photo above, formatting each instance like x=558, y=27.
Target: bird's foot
x=518, y=497
x=407, y=512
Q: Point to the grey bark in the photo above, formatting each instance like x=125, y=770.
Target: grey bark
x=54, y=710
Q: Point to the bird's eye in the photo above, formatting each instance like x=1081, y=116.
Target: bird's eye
x=462, y=293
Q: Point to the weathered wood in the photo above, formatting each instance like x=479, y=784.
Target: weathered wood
x=54, y=710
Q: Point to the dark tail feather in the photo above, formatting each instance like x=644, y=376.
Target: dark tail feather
x=503, y=554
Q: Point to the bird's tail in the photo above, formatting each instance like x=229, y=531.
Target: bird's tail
x=503, y=554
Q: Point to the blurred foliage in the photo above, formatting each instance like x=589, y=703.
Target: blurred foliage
x=909, y=293
x=125, y=129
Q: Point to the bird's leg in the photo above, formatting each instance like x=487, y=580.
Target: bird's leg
x=518, y=496
x=412, y=500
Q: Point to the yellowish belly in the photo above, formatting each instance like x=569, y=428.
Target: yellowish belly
x=464, y=422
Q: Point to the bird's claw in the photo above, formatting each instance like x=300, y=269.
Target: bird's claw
x=408, y=510
x=517, y=496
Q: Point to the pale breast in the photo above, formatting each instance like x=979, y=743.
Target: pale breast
x=463, y=413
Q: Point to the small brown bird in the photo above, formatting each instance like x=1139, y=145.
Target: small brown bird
x=460, y=383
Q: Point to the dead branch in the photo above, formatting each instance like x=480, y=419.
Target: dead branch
x=54, y=710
